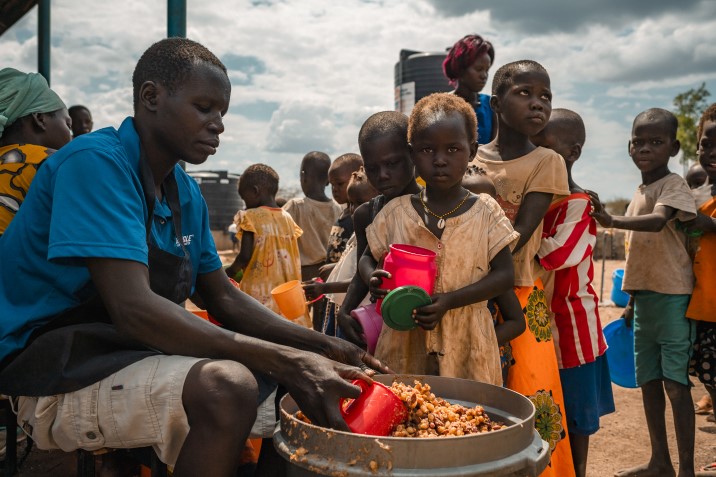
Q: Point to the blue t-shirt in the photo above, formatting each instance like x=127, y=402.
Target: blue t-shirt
x=87, y=202
x=483, y=111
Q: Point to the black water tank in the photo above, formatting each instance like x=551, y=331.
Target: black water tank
x=220, y=190
x=417, y=75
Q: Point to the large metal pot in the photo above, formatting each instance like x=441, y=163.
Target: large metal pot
x=516, y=450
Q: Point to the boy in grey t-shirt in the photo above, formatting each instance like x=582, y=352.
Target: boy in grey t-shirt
x=660, y=280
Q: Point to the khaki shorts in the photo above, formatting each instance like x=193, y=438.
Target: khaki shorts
x=138, y=406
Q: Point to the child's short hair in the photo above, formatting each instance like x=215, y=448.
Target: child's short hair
x=696, y=176
x=463, y=54
x=359, y=184
x=436, y=107
x=661, y=115
x=77, y=108
x=262, y=176
x=169, y=62
x=385, y=123
x=315, y=165
x=506, y=73
x=351, y=160
x=708, y=115
x=570, y=126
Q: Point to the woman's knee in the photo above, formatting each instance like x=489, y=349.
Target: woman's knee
x=220, y=390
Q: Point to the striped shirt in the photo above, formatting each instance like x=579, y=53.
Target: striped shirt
x=568, y=238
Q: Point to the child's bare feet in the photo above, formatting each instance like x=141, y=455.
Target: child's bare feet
x=647, y=470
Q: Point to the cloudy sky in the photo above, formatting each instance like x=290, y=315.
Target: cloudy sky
x=307, y=73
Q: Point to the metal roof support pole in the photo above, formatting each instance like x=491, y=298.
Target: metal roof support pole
x=43, y=38
x=176, y=18
x=176, y=26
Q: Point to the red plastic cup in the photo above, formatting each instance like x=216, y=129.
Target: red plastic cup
x=375, y=412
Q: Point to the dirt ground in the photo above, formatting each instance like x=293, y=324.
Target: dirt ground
x=623, y=439
x=622, y=442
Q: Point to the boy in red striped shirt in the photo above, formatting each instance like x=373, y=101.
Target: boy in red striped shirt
x=565, y=259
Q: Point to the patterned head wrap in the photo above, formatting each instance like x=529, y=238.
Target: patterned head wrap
x=22, y=94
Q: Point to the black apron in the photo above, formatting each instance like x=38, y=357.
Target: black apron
x=81, y=346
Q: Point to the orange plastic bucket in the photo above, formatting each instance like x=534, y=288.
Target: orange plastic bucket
x=290, y=299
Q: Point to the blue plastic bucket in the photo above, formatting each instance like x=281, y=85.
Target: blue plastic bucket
x=620, y=353
x=619, y=297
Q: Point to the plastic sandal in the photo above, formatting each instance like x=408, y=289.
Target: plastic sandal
x=704, y=405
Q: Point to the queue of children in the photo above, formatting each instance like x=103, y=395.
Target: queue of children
x=519, y=308
x=537, y=231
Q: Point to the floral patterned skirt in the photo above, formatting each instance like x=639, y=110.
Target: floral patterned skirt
x=535, y=374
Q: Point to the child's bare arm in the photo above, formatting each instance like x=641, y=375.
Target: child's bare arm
x=361, y=221
x=326, y=270
x=375, y=275
x=513, y=324
x=702, y=223
x=532, y=210
x=244, y=256
x=499, y=280
x=350, y=327
x=357, y=288
x=367, y=266
x=314, y=288
x=653, y=222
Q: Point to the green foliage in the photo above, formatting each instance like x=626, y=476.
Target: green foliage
x=689, y=107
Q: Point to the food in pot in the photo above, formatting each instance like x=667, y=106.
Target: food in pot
x=431, y=416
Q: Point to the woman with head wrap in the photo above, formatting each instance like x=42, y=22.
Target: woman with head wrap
x=34, y=122
x=466, y=66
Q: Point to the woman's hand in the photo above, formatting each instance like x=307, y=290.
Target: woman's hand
x=376, y=281
x=428, y=316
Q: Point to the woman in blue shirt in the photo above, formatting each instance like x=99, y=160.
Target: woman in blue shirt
x=466, y=66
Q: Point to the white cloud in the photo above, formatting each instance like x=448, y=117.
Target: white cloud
x=313, y=71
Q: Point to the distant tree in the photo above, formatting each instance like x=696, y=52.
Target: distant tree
x=689, y=107
x=617, y=206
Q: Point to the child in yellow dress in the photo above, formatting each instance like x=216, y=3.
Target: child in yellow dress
x=269, y=238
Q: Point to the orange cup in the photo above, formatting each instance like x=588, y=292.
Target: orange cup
x=290, y=299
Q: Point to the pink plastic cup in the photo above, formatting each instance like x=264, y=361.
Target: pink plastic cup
x=372, y=323
x=375, y=412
